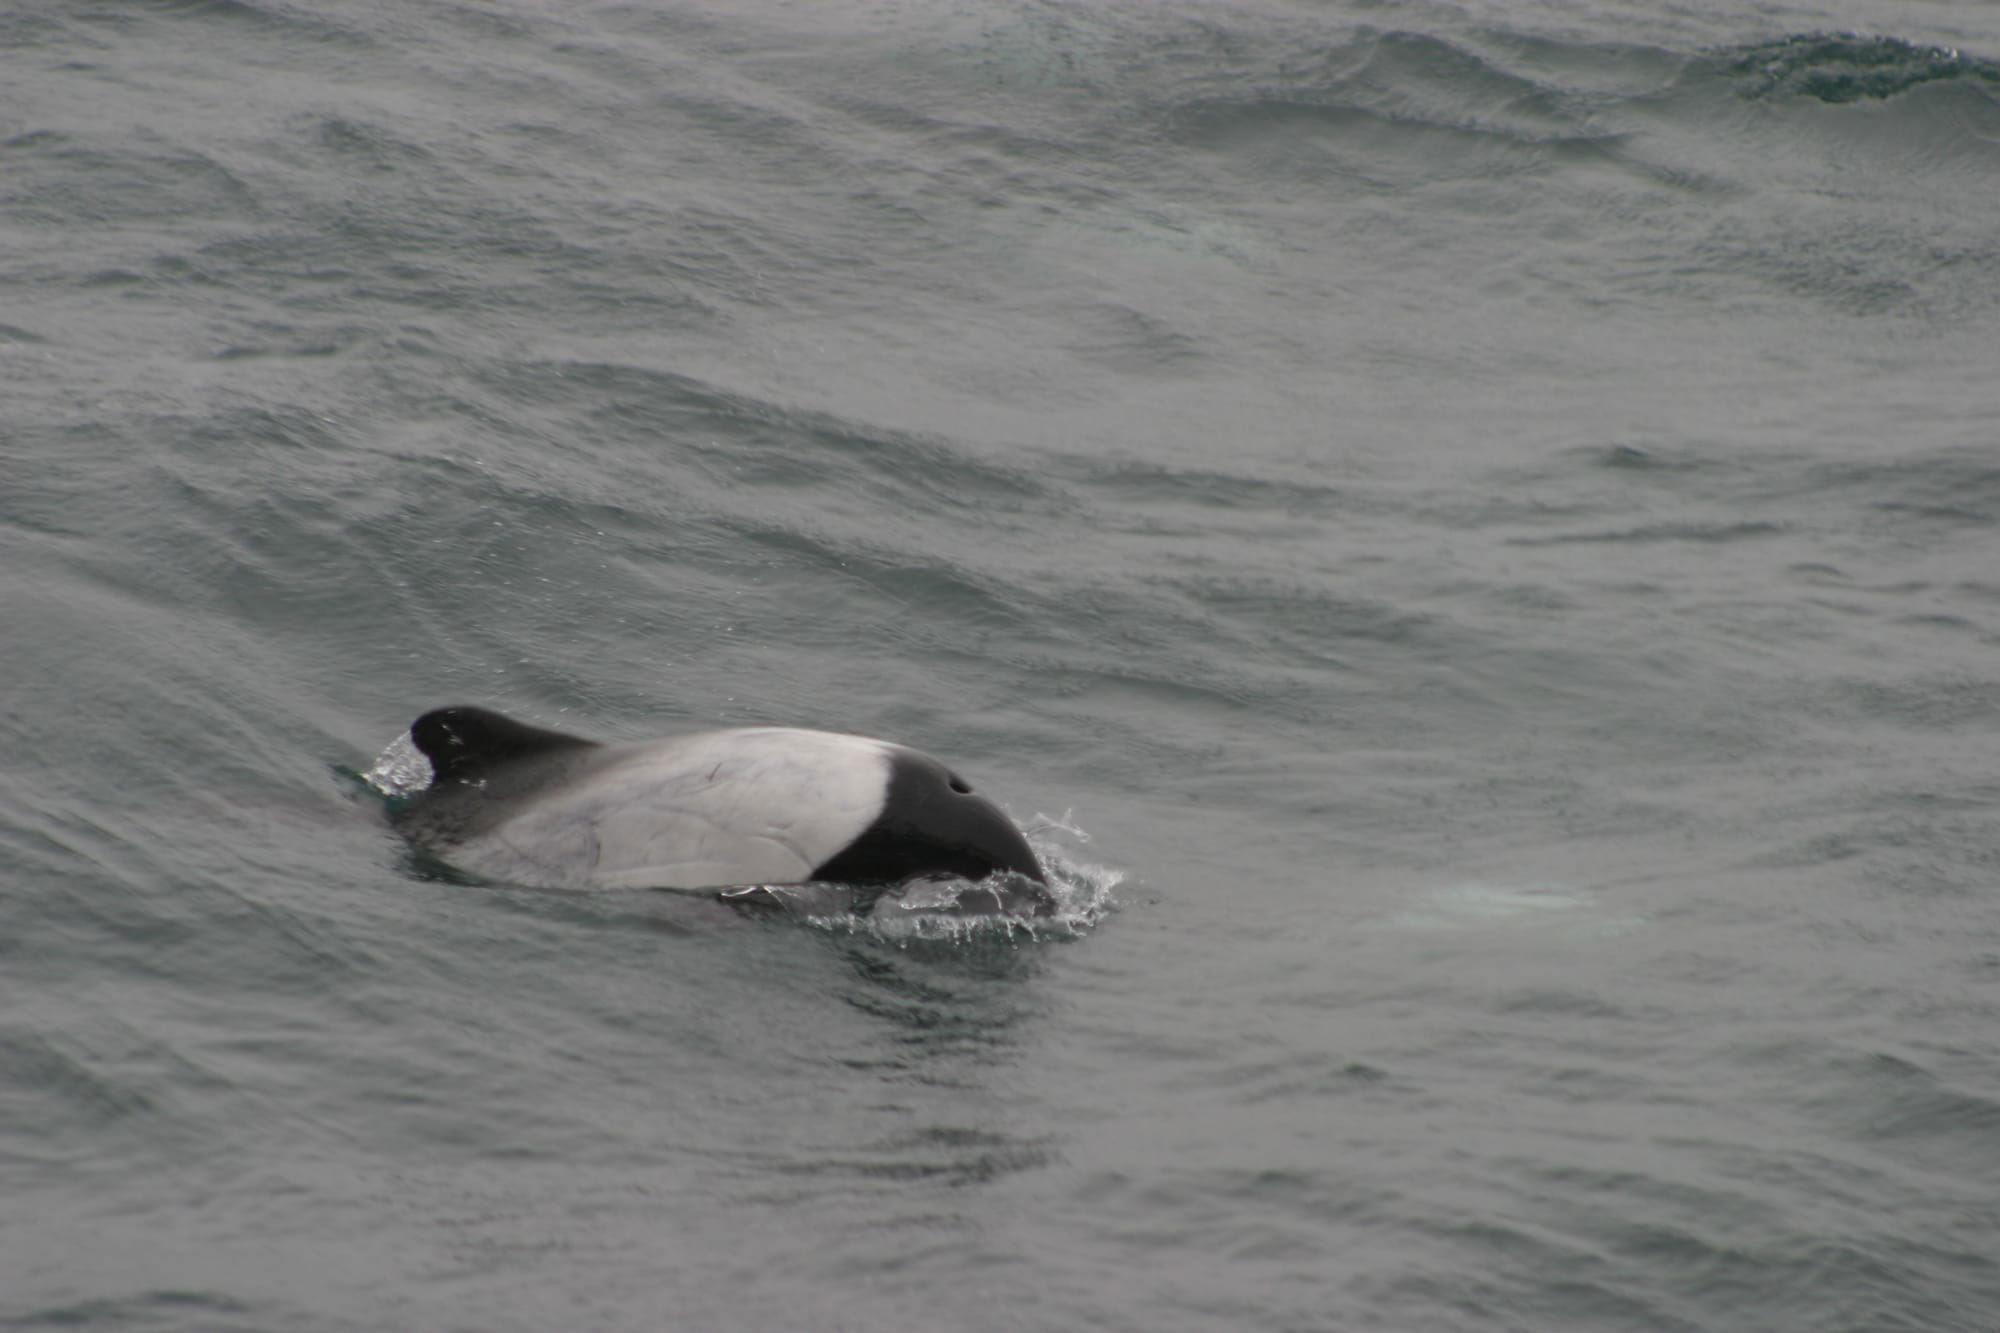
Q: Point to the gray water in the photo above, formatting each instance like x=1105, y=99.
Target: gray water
x=1469, y=532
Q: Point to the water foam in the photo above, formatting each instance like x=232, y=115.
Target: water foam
x=1082, y=889
x=399, y=771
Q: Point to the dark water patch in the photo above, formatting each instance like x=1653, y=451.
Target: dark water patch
x=1849, y=67
x=535, y=526
x=1557, y=1002
x=1949, y=488
x=325, y=542
x=372, y=147
x=1948, y=514
x=1634, y=458
x=1947, y=703
x=911, y=596
x=1785, y=1237
x=225, y=21
x=1175, y=1207
x=72, y=489
x=1593, y=71
x=952, y=1157
x=1698, y=533
x=1285, y=1080
x=1123, y=338
x=268, y=338
x=747, y=442
x=1920, y=841
x=412, y=213
x=1912, y=491
x=1743, y=1251
x=1141, y=483
x=160, y=1308
x=30, y=31
x=52, y=1086
x=1522, y=1271
x=1621, y=156
x=103, y=1084
x=412, y=530
x=880, y=469
x=1889, y=1099
x=1858, y=265
x=942, y=997
x=55, y=179
x=1611, y=482
x=1305, y=624
x=1123, y=673
x=1408, y=78
x=1541, y=600
x=102, y=881
x=1940, y=620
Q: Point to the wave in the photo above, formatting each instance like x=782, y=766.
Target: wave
x=1848, y=67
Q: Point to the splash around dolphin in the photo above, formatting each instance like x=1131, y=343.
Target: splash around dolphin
x=766, y=816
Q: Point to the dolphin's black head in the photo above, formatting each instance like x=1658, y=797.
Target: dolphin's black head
x=933, y=823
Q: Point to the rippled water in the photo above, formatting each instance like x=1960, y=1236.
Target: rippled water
x=1468, y=530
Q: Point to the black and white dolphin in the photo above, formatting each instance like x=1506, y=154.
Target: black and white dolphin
x=755, y=806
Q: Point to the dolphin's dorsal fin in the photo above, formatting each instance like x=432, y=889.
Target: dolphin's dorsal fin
x=463, y=742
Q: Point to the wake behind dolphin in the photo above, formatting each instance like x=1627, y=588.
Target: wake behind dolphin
x=747, y=810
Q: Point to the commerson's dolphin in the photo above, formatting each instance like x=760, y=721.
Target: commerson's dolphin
x=751, y=806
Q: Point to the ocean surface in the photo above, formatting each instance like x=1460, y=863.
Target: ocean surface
x=1468, y=532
